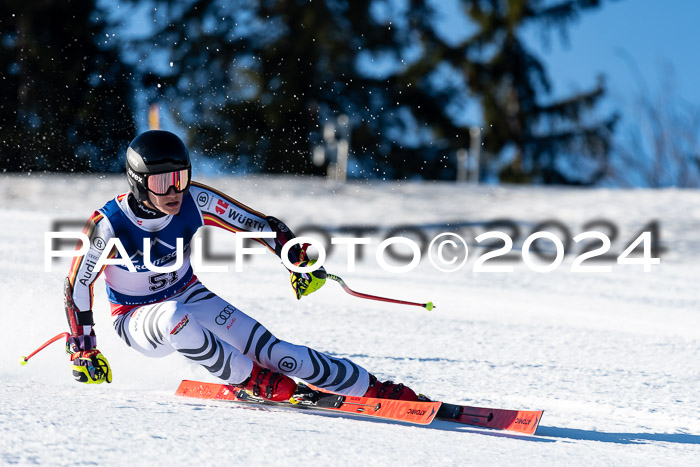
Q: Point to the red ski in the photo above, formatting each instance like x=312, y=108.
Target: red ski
x=419, y=412
x=522, y=421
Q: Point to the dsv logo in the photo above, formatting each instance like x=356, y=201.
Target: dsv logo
x=224, y=315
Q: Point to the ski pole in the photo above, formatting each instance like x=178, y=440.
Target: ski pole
x=23, y=360
x=428, y=306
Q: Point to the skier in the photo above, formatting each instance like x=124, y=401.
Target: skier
x=156, y=313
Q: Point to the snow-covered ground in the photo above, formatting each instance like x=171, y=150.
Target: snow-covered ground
x=612, y=358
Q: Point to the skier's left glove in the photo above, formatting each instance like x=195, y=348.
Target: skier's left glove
x=88, y=364
x=305, y=283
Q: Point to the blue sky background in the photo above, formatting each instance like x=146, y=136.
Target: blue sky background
x=626, y=40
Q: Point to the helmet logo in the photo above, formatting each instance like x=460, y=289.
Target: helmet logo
x=134, y=175
x=133, y=157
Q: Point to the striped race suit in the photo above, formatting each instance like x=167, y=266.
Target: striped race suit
x=157, y=313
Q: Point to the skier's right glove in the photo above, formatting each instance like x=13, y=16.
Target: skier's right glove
x=89, y=365
x=304, y=283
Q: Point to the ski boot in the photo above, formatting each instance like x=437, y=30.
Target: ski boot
x=268, y=385
x=389, y=390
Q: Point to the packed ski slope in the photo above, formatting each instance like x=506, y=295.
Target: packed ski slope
x=612, y=358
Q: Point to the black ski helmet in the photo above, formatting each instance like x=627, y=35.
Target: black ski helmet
x=154, y=152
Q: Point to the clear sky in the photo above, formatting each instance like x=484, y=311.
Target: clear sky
x=656, y=37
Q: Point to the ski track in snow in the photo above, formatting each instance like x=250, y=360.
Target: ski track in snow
x=613, y=359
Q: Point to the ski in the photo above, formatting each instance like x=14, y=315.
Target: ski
x=522, y=421
x=419, y=412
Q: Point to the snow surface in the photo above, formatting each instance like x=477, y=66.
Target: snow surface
x=612, y=358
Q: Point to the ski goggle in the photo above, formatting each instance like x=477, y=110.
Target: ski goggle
x=160, y=184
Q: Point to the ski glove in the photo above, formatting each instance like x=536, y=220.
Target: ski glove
x=88, y=364
x=305, y=283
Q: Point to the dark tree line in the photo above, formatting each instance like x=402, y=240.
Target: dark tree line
x=253, y=83
x=66, y=102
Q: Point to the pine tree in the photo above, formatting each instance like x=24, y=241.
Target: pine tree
x=256, y=81
x=66, y=99
x=549, y=140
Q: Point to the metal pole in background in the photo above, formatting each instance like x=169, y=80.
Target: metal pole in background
x=343, y=147
x=474, y=154
x=461, y=165
x=330, y=149
x=335, y=148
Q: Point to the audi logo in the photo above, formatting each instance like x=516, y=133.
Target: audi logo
x=224, y=315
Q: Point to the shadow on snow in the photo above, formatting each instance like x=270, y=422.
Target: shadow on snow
x=545, y=434
x=618, y=438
